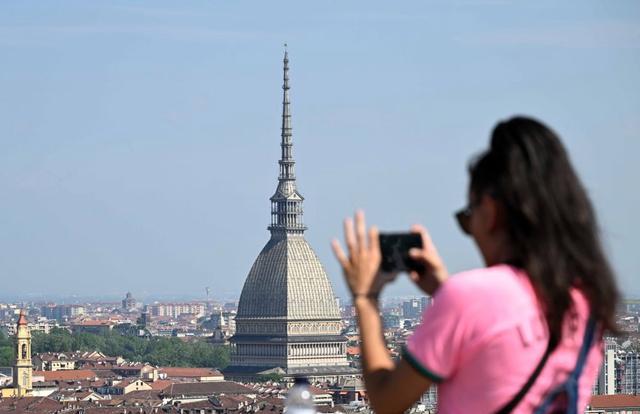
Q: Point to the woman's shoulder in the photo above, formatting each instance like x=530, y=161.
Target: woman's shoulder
x=486, y=279
x=492, y=286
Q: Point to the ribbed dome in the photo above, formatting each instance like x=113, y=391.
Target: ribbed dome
x=287, y=281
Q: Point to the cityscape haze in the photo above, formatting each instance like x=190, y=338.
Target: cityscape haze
x=139, y=141
x=148, y=265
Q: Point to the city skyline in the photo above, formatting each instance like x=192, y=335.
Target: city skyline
x=142, y=157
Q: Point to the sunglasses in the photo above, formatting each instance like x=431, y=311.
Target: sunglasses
x=463, y=217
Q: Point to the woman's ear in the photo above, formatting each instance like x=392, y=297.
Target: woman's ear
x=493, y=214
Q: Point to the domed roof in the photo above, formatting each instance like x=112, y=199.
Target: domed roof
x=287, y=281
x=22, y=319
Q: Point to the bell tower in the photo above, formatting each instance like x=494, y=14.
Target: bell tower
x=22, y=370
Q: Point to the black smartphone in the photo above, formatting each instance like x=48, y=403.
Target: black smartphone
x=394, y=248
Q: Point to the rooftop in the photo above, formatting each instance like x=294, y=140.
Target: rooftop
x=615, y=401
x=190, y=372
x=65, y=375
x=206, y=388
x=29, y=405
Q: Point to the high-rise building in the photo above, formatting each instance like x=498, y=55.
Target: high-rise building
x=129, y=303
x=144, y=319
x=175, y=310
x=628, y=371
x=288, y=321
x=606, y=383
x=412, y=308
x=62, y=312
x=425, y=302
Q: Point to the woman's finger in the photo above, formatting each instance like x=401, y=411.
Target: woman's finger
x=374, y=240
x=361, y=230
x=349, y=236
x=427, y=243
x=418, y=254
x=340, y=255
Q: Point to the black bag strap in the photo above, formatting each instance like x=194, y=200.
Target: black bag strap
x=507, y=408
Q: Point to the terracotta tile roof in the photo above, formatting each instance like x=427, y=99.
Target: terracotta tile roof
x=22, y=319
x=125, y=382
x=272, y=400
x=25, y=405
x=145, y=395
x=200, y=405
x=83, y=394
x=101, y=365
x=207, y=388
x=231, y=400
x=119, y=410
x=615, y=401
x=318, y=391
x=270, y=409
x=73, y=384
x=98, y=383
x=49, y=356
x=78, y=394
x=160, y=385
x=67, y=375
x=190, y=372
x=113, y=402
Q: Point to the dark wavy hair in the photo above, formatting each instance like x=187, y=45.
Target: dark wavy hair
x=551, y=225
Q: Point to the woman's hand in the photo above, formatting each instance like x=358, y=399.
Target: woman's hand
x=434, y=272
x=361, y=267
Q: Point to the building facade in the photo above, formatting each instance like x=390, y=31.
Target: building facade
x=628, y=370
x=607, y=377
x=54, y=362
x=174, y=310
x=288, y=321
x=620, y=369
x=43, y=325
x=62, y=312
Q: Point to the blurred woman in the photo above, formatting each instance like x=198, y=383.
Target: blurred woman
x=508, y=336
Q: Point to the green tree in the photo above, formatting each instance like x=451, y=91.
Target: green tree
x=5, y=340
x=274, y=377
x=155, y=350
x=6, y=356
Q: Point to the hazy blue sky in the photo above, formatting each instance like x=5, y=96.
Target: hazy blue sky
x=139, y=140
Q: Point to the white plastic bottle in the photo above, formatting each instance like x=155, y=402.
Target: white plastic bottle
x=299, y=398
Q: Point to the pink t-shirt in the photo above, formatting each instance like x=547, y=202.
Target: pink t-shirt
x=485, y=334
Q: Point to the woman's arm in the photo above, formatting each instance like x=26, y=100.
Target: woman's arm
x=391, y=388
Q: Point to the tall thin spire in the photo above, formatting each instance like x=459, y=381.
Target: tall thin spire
x=286, y=203
x=287, y=163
